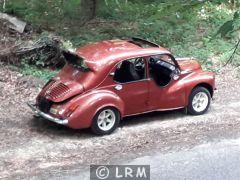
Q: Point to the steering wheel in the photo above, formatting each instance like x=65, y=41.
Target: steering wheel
x=139, y=64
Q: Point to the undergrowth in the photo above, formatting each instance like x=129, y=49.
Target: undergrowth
x=41, y=73
x=191, y=31
x=184, y=27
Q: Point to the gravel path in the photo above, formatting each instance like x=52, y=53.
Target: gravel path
x=32, y=148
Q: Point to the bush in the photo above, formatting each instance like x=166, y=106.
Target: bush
x=44, y=74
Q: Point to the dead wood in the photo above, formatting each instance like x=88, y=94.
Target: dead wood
x=16, y=24
x=234, y=52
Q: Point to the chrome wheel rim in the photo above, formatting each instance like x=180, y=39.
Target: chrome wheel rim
x=106, y=119
x=200, y=102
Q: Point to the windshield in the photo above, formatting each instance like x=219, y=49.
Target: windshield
x=75, y=60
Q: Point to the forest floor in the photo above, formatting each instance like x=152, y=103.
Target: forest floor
x=36, y=148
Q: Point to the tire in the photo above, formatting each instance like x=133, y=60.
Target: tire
x=199, y=101
x=105, y=121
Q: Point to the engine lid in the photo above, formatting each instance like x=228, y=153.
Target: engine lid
x=58, y=91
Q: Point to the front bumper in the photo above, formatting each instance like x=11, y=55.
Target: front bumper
x=47, y=116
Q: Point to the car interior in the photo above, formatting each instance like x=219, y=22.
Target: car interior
x=130, y=70
x=161, y=70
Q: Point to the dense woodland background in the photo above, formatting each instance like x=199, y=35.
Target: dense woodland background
x=208, y=30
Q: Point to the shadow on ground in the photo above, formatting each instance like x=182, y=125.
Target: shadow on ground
x=43, y=126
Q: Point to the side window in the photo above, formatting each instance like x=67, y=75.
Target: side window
x=161, y=69
x=164, y=57
x=130, y=70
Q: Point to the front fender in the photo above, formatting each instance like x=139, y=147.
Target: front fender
x=89, y=104
x=198, y=78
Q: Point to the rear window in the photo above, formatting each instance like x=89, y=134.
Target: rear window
x=142, y=43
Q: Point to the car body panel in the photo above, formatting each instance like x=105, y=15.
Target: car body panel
x=175, y=93
x=188, y=64
x=136, y=100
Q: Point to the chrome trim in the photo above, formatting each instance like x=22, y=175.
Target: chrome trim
x=47, y=116
x=141, y=80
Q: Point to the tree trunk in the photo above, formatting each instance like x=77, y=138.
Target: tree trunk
x=88, y=8
x=4, y=5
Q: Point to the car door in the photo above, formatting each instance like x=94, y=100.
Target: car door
x=170, y=95
x=134, y=91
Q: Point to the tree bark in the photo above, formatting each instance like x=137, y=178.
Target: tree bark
x=4, y=5
x=17, y=24
x=88, y=8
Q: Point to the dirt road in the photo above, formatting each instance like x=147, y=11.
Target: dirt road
x=31, y=148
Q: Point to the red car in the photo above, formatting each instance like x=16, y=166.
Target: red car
x=106, y=81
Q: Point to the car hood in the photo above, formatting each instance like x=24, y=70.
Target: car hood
x=59, y=90
x=188, y=64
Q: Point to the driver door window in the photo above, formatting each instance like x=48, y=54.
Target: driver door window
x=130, y=71
x=165, y=58
x=161, y=69
x=164, y=91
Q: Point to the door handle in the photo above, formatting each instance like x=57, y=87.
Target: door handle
x=175, y=77
x=118, y=87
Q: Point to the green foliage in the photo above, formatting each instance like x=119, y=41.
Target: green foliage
x=16, y=6
x=230, y=27
x=48, y=14
x=185, y=27
x=44, y=74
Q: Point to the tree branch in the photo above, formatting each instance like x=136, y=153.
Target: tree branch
x=233, y=54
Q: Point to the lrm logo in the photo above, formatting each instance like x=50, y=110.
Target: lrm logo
x=120, y=172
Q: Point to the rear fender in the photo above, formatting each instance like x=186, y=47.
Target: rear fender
x=89, y=104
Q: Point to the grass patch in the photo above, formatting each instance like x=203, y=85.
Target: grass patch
x=41, y=73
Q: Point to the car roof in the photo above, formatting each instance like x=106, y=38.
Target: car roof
x=109, y=52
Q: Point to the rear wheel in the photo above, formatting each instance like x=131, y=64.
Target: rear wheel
x=105, y=121
x=199, y=101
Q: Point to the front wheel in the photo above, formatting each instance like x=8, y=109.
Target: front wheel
x=105, y=121
x=199, y=101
